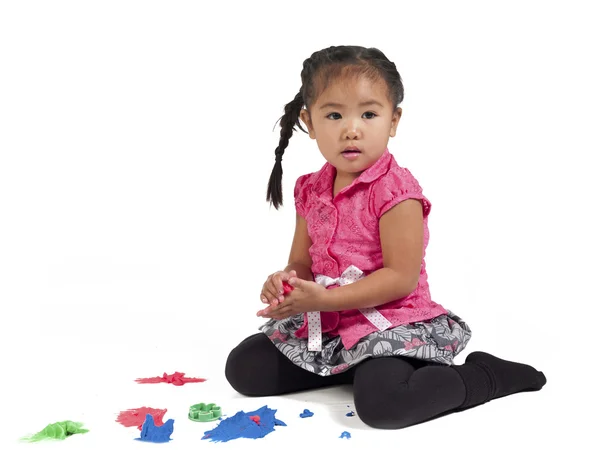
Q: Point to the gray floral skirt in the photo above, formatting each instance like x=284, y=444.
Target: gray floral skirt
x=436, y=340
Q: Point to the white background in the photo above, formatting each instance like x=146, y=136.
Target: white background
x=136, y=142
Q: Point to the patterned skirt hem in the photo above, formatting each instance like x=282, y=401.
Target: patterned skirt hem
x=436, y=340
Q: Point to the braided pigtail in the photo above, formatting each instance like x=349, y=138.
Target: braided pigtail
x=288, y=121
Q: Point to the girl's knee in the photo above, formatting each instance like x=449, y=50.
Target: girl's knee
x=392, y=402
x=237, y=372
x=382, y=405
x=245, y=367
x=382, y=394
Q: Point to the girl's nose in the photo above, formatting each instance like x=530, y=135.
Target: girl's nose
x=352, y=129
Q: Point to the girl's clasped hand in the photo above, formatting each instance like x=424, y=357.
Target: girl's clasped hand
x=305, y=296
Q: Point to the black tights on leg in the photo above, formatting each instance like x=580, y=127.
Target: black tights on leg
x=389, y=392
x=396, y=392
x=257, y=368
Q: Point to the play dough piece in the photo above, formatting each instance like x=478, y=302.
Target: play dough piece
x=58, y=431
x=287, y=288
x=152, y=433
x=306, y=413
x=176, y=378
x=242, y=425
x=136, y=417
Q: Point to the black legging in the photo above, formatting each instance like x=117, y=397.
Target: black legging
x=389, y=392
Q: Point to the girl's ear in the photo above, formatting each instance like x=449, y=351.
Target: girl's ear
x=305, y=117
x=395, y=120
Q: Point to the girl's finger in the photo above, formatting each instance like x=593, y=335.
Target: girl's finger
x=276, y=288
x=266, y=295
x=283, y=311
x=265, y=311
x=278, y=283
x=262, y=296
x=277, y=312
x=272, y=309
x=268, y=291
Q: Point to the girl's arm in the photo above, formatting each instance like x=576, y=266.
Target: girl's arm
x=300, y=259
x=401, y=234
x=302, y=271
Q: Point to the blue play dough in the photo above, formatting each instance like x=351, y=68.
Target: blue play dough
x=346, y=435
x=307, y=413
x=241, y=426
x=152, y=433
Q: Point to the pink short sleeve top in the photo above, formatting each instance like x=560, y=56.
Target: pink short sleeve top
x=345, y=231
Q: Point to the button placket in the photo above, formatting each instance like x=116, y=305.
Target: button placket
x=334, y=215
x=329, y=211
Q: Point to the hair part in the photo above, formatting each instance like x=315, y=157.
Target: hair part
x=324, y=67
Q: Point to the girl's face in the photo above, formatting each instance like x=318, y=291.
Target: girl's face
x=355, y=113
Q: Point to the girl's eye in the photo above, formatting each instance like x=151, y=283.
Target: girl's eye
x=336, y=116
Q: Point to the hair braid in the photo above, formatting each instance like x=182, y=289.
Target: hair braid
x=289, y=121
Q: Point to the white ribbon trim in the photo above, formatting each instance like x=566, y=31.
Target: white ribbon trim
x=350, y=275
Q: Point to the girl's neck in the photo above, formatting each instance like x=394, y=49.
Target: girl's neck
x=342, y=180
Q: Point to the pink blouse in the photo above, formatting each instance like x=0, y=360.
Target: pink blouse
x=345, y=231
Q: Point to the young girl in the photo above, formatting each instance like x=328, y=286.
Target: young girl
x=359, y=310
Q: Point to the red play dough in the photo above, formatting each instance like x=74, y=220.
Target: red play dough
x=136, y=417
x=176, y=378
x=287, y=288
x=256, y=419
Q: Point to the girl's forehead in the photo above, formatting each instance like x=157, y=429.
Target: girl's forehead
x=353, y=90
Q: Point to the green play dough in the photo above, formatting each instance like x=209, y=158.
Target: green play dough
x=58, y=430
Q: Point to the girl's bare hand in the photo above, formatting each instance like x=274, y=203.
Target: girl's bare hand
x=306, y=296
x=272, y=291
